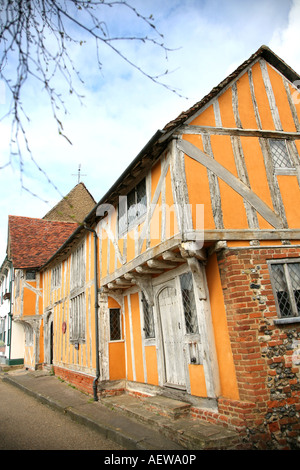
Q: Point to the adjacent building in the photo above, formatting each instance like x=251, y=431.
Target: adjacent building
x=184, y=279
x=31, y=242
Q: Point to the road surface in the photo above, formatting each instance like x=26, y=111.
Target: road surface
x=27, y=424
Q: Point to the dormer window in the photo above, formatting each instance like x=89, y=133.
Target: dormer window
x=132, y=206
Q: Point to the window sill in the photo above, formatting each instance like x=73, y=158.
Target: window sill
x=285, y=171
x=287, y=321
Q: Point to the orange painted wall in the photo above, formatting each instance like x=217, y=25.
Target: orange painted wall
x=261, y=98
x=128, y=340
x=206, y=118
x=137, y=337
x=198, y=185
x=116, y=352
x=257, y=173
x=29, y=302
x=229, y=388
x=197, y=380
x=290, y=193
x=281, y=99
x=234, y=213
x=226, y=111
x=151, y=365
x=245, y=105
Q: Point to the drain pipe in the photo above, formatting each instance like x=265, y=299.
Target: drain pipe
x=95, y=382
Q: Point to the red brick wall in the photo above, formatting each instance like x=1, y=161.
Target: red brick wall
x=80, y=381
x=267, y=375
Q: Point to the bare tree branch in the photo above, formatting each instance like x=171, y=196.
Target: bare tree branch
x=36, y=38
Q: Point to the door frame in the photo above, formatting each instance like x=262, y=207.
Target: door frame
x=173, y=285
x=205, y=338
x=49, y=338
x=159, y=284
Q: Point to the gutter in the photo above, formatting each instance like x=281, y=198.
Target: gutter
x=95, y=382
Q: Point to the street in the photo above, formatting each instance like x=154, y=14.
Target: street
x=27, y=424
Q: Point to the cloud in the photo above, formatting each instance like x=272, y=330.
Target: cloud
x=285, y=42
x=122, y=109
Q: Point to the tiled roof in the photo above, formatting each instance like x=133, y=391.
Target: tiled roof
x=33, y=241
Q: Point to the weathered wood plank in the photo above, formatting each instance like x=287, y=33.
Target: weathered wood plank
x=243, y=175
x=214, y=188
x=232, y=181
x=270, y=95
x=254, y=102
x=192, y=129
x=152, y=205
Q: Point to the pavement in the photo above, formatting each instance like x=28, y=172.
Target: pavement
x=152, y=423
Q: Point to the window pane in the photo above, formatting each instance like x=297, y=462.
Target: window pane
x=280, y=154
x=189, y=304
x=122, y=214
x=282, y=290
x=141, y=198
x=294, y=272
x=132, y=208
x=30, y=275
x=148, y=318
x=115, y=324
x=77, y=318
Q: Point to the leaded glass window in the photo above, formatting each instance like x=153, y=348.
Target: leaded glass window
x=286, y=286
x=148, y=318
x=132, y=206
x=115, y=324
x=78, y=267
x=77, y=318
x=280, y=155
x=189, y=304
x=56, y=277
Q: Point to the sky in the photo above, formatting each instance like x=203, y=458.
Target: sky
x=122, y=108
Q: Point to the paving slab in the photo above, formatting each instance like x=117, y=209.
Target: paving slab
x=151, y=424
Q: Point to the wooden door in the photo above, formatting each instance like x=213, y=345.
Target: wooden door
x=172, y=336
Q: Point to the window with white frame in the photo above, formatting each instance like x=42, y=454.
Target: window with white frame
x=77, y=318
x=285, y=279
x=78, y=267
x=56, y=277
x=132, y=206
x=78, y=302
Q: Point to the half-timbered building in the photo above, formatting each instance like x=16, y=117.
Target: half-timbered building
x=184, y=279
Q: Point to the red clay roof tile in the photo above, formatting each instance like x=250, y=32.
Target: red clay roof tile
x=33, y=241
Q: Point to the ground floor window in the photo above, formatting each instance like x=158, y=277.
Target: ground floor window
x=77, y=318
x=115, y=324
x=148, y=318
x=285, y=278
x=189, y=304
